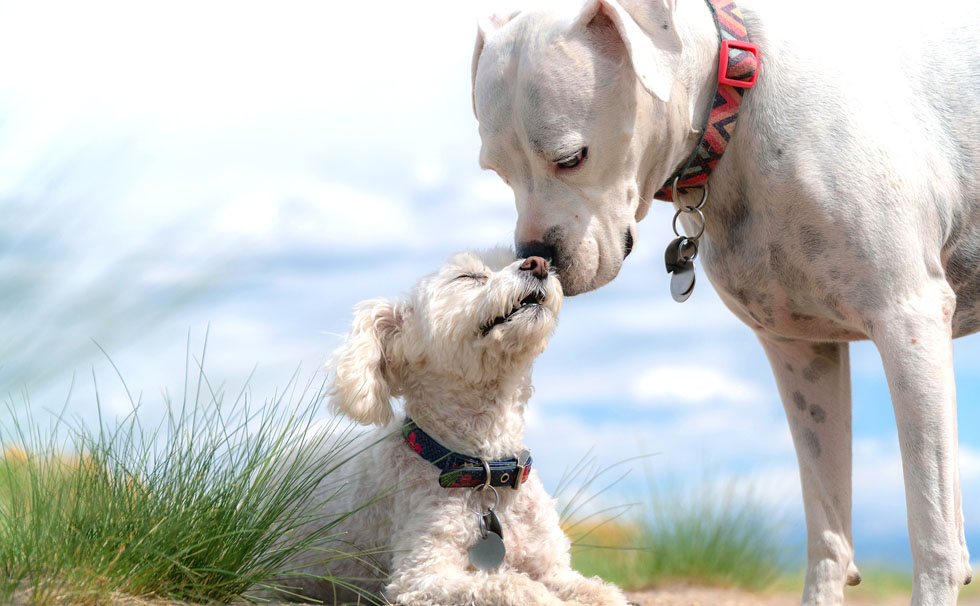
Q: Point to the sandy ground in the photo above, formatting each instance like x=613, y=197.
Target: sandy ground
x=699, y=596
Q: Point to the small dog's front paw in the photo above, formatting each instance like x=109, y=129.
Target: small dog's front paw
x=592, y=592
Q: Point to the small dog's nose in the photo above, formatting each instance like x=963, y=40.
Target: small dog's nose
x=537, y=266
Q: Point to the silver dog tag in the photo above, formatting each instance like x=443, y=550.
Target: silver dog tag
x=682, y=282
x=488, y=552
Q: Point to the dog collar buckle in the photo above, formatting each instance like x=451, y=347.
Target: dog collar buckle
x=741, y=68
x=520, y=471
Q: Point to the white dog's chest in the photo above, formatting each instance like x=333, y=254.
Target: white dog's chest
x=772, y=294
x=785, y=275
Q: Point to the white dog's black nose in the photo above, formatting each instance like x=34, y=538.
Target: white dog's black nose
x=536, y=249
x=537, y=266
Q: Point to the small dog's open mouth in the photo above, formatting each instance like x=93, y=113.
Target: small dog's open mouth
x=533, y=300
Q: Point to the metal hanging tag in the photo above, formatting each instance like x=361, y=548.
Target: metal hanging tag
x=682, y=250
x=488, y=552
x=682, y=282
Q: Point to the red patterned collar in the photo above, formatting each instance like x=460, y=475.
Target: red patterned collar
x=738, y=65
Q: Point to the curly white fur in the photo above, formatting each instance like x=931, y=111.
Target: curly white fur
x=468, y=389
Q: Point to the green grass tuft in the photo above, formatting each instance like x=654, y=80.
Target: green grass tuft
x=708, y=536
x=202, y=507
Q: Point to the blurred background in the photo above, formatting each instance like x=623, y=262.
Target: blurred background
x=172, y=167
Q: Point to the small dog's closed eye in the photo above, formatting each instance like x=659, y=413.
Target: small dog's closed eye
x=454, y=471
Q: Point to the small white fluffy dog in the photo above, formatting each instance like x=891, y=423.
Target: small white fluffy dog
x=459, y=351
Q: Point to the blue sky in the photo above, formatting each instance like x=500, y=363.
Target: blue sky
x=261, y=171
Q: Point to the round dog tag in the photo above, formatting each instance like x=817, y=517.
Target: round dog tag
x=488, y=552
x=682, y=282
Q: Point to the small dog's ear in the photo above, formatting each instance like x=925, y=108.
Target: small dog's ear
x=654, y=53
x=361, y=368
x=485, y=28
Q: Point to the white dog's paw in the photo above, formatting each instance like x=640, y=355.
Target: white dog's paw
x=939, y=584
x=497, y=590
x=591, y=592
x=825, y=580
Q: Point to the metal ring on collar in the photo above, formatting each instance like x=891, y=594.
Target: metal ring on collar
x=486, y=471
x=496, y=499
x=694, y=244
x=700, y=216
x=684, y=207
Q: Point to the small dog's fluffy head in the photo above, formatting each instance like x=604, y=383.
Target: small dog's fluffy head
x=480, y=318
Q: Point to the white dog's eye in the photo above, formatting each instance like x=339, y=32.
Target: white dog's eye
x=573, y=160
x=481, y=278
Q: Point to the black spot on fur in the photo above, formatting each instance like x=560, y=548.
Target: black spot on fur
x=768, y=316
x=817, y=413
x=869, y=326
x=963, y=262
x=833, y=304
x=812, y=242
x=735, y=220
x=532, y=95
x=826, y=350
x=901, y=383
x=789, y=367
x=866, y=299
x=811, y=442
x=839, y=278
x=818, y=368
x=966, y=326
x=968, y=295
x=799, y=400
x=791, y=277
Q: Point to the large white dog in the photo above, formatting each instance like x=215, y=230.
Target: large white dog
x=846, y=207
x=459, y=351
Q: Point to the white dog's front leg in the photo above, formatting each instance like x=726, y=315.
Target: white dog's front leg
x=915, y=342
x=449, y=588
x=815, y=387
x=591, y=591
x=437, y=574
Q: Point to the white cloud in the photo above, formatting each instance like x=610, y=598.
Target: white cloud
x=969, y=464
x=491, y=188
x=327, y=215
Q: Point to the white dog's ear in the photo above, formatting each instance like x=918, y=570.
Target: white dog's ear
x=654, y=52
x=485, y=28
x=363, y=373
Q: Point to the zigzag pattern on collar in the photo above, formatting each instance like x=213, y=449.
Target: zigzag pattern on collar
x=738, y=65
